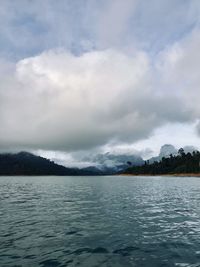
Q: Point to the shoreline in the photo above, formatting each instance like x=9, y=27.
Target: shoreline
x=171, y=175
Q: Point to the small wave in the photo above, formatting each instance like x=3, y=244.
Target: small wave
x=50, y=263
x=97, y=250
x=125, y=251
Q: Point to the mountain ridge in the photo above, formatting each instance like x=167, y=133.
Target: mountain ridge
x=25, y=163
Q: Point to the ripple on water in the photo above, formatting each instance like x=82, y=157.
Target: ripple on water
x=99, y=221
x=126, y=251
x=50, y=263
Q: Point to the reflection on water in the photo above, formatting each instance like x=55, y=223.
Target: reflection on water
x=99, y=221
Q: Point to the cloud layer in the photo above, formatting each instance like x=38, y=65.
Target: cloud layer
x=60, y=101
x=82, y=85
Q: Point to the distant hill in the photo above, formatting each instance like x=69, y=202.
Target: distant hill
x=169, y=161
x=111, y=163
x=25, y=163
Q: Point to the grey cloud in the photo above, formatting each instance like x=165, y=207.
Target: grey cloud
x=198, y=128
x=30, y=27
x=157, y=24
x=77, y=87
x=112, y=23
x=58, y=101
x=178, y=68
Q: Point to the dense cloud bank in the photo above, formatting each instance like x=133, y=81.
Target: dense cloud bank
x=57, y=100
x=113, y=88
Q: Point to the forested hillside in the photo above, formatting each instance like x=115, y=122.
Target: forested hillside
x=25, y=163
x=181, y=163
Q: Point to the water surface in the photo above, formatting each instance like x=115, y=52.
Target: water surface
x=99, y=221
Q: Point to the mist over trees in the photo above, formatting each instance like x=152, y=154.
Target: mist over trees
x=174, y=164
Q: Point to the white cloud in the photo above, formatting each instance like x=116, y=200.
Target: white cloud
x=59, y=100
x=64, y=102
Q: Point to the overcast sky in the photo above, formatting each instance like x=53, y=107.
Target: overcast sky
x=98, y=75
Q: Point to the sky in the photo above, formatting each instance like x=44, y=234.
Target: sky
x=91, y=76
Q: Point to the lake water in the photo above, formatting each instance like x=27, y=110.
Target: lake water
x=99, y=221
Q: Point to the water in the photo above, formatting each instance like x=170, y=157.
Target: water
x=99, y=221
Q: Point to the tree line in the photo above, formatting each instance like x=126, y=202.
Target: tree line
x=174, y=164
